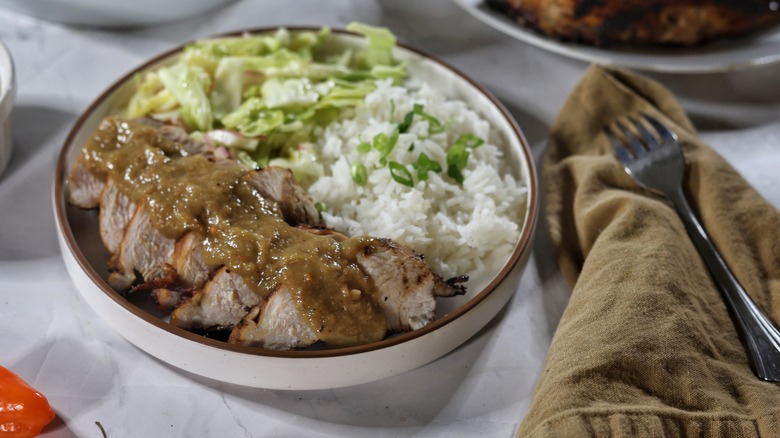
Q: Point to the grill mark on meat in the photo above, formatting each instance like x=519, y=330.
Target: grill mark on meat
x=451, y=287
x=321, y=230
x=168, y=291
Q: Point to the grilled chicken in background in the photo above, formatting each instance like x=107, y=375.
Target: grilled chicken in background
x=641, y=23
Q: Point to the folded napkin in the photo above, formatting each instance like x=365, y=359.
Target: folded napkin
x=646, y=346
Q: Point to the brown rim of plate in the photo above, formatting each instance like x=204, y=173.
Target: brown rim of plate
x=523, y=243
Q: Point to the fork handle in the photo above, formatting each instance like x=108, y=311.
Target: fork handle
x=761, y=336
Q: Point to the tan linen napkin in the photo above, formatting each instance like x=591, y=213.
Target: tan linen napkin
x=646, y=346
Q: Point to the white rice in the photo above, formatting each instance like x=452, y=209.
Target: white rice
x=469, y=229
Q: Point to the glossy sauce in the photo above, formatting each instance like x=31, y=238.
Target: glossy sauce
x=241, y=229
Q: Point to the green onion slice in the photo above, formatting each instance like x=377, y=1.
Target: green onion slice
x=363, y=147
x=400, y=173
x=385, y=144
x=434, y=125
x=470, y=141
x=458, y=155
x=359, y=173
x=423, y=165
x=404, y=126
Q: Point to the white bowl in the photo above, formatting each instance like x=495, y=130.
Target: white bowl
x=111, y=13
x=85, y=259
x=7, y=95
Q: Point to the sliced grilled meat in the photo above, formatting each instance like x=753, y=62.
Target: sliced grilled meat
x=224, y=300
x=279, y=185
x=84, y=187
x=188, y=273
x=189, y=145
x=116, y=210
x=405, y=287
x=405, y=290
x=275, y=324
x=279, y=287
x=188, y=260
x=143, y=250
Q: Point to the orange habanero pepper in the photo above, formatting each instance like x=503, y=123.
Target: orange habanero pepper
x=23, y=410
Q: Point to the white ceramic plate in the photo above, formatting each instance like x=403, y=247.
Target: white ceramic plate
x=111, y=13
x=744, y=53
x=139, y=322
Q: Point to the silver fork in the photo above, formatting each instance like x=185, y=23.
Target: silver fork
x=656, y=162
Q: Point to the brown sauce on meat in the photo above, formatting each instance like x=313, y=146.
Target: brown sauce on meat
x=243, y=230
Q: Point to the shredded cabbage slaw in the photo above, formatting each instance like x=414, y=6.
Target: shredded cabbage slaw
x=262, y=95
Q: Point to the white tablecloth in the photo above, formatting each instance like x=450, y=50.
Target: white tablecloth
x=53, y=339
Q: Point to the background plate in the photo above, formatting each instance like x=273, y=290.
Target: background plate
x=756, y=50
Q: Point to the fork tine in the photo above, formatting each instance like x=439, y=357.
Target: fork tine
x=617, y=146
x=660, y=128
x=636, y=146
x=649, y=139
